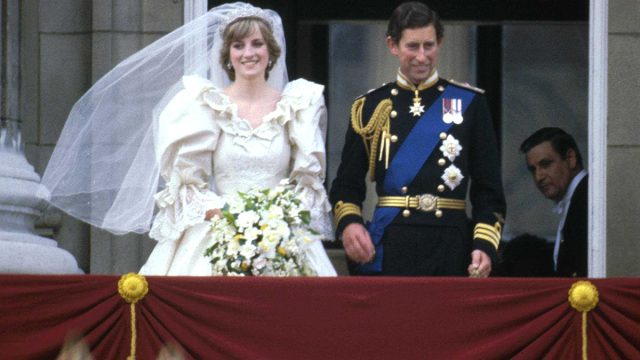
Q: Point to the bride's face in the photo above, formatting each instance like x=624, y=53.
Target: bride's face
x=249, y=56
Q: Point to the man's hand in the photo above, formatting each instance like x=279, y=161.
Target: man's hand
x=480, y=264
x=357, y=243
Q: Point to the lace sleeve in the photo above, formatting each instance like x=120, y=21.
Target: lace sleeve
x=307, y=135
x=186, y=138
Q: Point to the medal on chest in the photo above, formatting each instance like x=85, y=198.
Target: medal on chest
x=417, y=108
x=452, y=111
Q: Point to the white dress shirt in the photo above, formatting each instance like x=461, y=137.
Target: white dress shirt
x=562, y=207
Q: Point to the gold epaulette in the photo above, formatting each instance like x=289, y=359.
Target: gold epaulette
x=466, y=86
x=489, y=233
x=342, y=209
x=377, y=127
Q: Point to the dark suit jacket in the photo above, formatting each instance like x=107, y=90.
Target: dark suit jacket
x=572, y=255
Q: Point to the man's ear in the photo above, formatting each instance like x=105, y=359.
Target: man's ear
x=572, y=158
x=393, y=47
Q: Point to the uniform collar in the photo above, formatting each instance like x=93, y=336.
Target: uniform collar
x=405, y=83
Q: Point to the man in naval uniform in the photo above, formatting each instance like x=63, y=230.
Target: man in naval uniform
x=424, y=141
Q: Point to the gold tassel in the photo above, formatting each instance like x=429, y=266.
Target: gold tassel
x=375, y=130
x=133, y=287
x=583, y=296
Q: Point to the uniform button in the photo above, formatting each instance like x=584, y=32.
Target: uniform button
x=393, y=114
x=443, y=135
x=440, y=188
x=394, y=138
x=406, y=213
x=404, y=189
x=438, y=213
x=441, y=88
x=442, y=162
x=394, y=92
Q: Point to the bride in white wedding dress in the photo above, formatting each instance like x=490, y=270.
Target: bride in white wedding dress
x=233, y=123
x=216, y=142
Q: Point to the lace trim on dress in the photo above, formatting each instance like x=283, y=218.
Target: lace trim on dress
x=185, y=200
x=182, y=204
x=314, y=197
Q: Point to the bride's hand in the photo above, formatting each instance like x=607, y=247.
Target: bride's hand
x=211, y=213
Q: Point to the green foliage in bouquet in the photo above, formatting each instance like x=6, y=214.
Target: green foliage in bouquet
x=264, y=232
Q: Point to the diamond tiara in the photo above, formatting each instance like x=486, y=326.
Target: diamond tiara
x=243, y=12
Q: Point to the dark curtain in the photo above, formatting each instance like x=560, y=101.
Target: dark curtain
x=318, y=318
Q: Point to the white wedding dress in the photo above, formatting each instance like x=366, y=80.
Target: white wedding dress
x=207, y=154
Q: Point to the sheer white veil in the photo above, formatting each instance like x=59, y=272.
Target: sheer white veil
x=104, y=169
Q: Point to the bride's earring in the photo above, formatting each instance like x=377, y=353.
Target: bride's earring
x=228, y=66
x=270, y=63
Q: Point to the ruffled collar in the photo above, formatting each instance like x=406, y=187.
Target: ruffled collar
x=204, y=92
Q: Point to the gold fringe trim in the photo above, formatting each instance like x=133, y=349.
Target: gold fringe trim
x=584, y=297
x=342, y=209
x=377, y=128
x=133, y=287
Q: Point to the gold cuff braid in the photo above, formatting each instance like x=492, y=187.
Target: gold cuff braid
x=342, y=209
x=488, y=233
x=377, y=127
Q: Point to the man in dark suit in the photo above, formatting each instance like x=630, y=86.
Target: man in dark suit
x=555, y=164
x=421, y=139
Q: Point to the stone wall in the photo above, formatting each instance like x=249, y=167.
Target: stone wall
x=66, y=46
x=623, y=191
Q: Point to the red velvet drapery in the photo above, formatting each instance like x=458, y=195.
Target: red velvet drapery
x=312, y=318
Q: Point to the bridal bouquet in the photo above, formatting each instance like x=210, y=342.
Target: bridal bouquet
x=263, y=233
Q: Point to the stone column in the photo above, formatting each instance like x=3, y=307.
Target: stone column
x=119, y=29
x=21, y=249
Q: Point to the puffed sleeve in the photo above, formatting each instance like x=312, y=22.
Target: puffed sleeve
x=185, y=139
x=307, y=132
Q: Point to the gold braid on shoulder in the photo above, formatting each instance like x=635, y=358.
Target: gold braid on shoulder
x=378, y=127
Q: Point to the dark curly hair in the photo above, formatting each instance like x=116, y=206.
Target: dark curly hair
x=412, y=15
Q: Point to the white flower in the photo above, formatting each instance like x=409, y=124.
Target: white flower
x=248, y=250
x=294, y=212
x=275, y=213
x=267, y=249
x=281, y=227
x=271, y=235
x=266, y=237
x=236, y=206
x=252, y=233
x=247, y=219
x=260, y=262
x=233, y=247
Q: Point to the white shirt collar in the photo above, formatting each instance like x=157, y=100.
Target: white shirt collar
x=562, y=205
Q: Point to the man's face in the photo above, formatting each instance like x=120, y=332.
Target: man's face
x=417, y=51
x=551, y=173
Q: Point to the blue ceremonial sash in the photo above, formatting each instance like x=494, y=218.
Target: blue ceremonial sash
x=406, y=164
